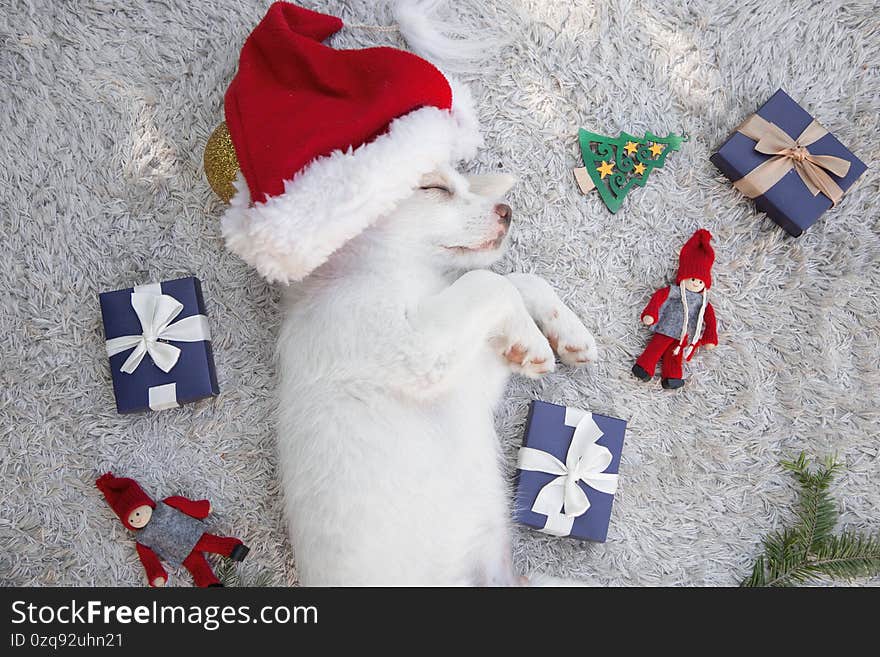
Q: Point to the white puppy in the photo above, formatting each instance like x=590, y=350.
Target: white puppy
x=391, y=363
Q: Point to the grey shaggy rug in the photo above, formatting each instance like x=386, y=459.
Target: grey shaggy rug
x=106, y=109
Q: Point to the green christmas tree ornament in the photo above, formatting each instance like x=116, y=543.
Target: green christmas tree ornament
x=613, y=166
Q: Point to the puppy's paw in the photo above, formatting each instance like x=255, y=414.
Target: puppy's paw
x=568, y=337
x=528, y=351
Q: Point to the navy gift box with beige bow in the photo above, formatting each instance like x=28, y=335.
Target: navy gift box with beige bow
x=159, y=345
x=784, y=159
x=568, y=471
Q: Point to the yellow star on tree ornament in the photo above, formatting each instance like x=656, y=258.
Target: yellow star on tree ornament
x=606, y=169
x=631, y=147
x=639, y=169
x=656, y=149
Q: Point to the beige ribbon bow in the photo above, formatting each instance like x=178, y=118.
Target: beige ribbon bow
x=790, y=153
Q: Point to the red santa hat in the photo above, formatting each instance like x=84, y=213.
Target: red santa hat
x=330, y=140
x=696, y=258
x=123, y=495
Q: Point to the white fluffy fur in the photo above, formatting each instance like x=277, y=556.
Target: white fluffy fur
x=445, y=41
x=391, y=364
x=336, y=196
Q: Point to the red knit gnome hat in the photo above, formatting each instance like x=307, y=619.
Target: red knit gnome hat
x=329, y=140
x=123, y=495
x=696, y=258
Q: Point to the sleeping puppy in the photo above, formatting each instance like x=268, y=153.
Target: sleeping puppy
x=392, y=357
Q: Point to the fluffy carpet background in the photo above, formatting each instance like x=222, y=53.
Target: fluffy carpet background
x=107, y=107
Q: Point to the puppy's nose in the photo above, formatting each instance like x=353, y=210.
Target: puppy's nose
x=505, y=214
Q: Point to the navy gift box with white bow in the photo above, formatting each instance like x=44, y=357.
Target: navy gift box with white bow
x=159, y=344
x=568, y=471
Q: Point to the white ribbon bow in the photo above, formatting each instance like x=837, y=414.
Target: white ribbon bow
x=156, y=312
x=562, y=500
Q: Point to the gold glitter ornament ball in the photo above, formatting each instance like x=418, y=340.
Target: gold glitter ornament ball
x=221, y=164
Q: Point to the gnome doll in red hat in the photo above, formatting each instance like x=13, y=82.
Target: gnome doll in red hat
x=681, y=316
x=171, y=530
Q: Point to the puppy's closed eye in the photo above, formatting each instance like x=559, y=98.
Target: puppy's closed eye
x=436, y=187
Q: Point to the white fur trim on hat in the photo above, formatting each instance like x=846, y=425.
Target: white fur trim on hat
x=337, y=196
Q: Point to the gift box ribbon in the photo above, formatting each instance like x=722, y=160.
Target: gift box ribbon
x=562, y=499
x=788, y=154
x=156, y=312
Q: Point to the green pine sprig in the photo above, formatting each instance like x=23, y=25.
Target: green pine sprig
x=229, y=574
x=809, y=551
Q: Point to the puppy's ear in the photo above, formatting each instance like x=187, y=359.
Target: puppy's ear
x=491, y=185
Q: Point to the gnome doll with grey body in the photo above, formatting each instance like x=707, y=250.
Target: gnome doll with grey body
x=171, y=530
x=680, y=316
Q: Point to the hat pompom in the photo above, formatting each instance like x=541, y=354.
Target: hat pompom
x=703, y=237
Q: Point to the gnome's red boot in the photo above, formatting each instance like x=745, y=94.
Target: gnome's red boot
x=653, y=353
x=200, y=569
x=225, y=546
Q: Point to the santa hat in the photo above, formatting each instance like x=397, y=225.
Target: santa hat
x=330, y=140
x=123, y=495
x=696, y=258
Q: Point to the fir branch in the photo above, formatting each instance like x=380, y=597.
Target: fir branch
x=227, y=573
x=817, y=511
x=757, y=578
x=230, y=574
x=808, y=550
x=849, y=555
x=784, y=556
